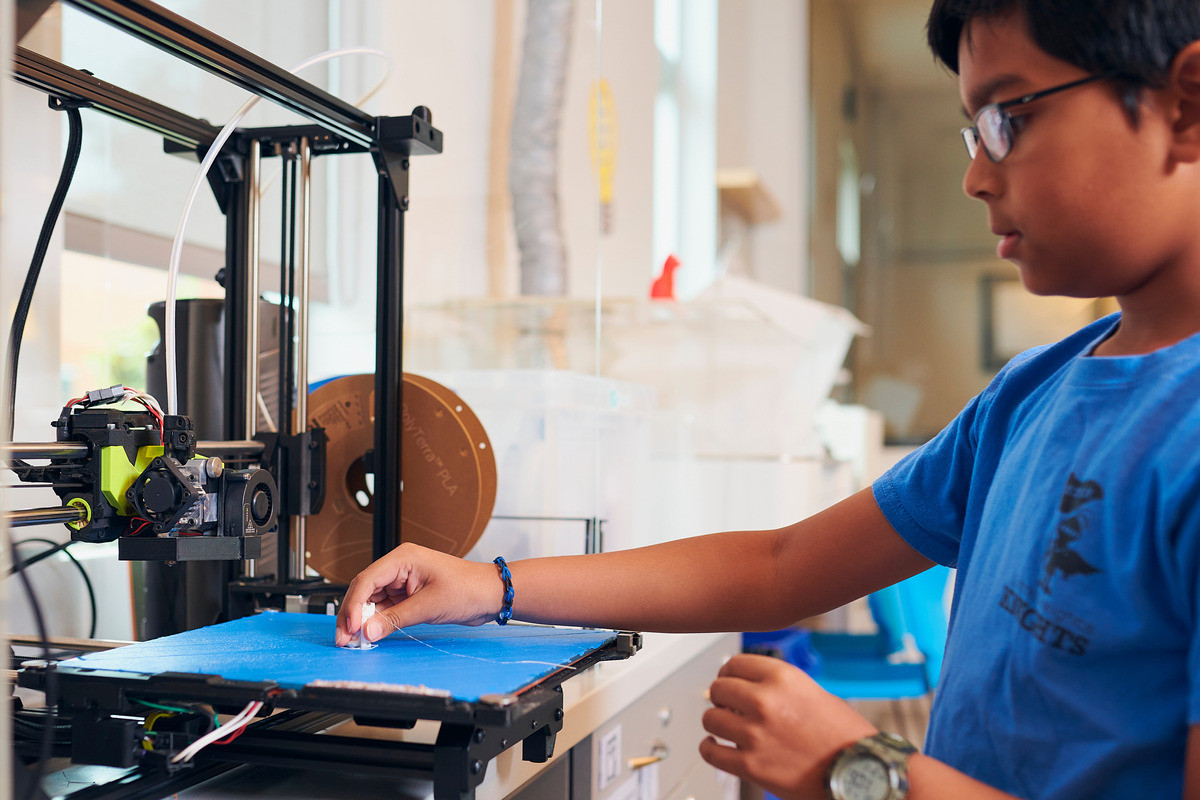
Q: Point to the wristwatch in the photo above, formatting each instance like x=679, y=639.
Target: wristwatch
x=874, y=768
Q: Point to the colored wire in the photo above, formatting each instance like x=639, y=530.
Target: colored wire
x=232, y=736
x=243, y=718
x=182, y=709
x=129, y=394
x=148, y=732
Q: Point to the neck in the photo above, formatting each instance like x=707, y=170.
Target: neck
x=1152, y=319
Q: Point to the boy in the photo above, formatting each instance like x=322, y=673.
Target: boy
x=1067, y=494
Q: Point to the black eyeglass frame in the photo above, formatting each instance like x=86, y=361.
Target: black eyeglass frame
x=974, y=141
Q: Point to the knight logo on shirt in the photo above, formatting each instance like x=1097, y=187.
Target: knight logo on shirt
x=1079, y=493
x=1062, y=559
x=1050, y=622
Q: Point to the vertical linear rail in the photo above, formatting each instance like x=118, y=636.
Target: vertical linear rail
x=250, y=300
x=304, y=186
x=254, y=216
x=389, y=319
x=236, y=203
x=285, y=566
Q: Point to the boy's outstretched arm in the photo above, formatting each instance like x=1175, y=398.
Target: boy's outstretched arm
x=747, y=580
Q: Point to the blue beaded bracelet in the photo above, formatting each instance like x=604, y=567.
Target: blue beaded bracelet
x=506, y=610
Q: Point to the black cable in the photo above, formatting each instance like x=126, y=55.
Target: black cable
x=25, y=302
x=60, y=547
x=42, y=556
x=74, y=146
x=51, y=685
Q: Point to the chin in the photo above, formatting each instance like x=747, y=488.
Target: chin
x=1044, y=285
x=1032, y=282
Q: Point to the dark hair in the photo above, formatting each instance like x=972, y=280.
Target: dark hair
x=1134, y=39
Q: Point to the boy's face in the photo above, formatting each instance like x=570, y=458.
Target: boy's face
x=1079, y=203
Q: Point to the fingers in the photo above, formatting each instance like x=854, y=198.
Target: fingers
x=378, y=583
x=738, y=696
x=771, y=724
x=742, y=684
x=726, y=725
x=420, y=606
x=722, y=756
x=412, y=585
x=753, y=667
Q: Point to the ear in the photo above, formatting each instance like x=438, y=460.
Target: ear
x=1184, y=91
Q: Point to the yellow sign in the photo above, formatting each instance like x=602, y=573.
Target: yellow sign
x=602, y=143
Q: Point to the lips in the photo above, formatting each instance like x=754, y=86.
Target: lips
x=1008, y=244
x=1009, y=238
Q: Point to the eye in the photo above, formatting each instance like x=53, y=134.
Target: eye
x=1017, y=122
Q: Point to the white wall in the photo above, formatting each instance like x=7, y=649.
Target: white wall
x=628, y=62
x=762, y=124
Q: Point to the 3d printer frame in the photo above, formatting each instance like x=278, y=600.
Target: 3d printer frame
x=337, y=127
x=471, y=733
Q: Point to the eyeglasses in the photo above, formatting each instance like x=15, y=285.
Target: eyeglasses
x=993, y=130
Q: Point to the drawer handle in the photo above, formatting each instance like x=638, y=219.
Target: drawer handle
x=659, y=753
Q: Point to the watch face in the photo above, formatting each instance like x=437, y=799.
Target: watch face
x=863, y=778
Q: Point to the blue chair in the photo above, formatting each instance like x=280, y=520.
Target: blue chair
x=903, y=658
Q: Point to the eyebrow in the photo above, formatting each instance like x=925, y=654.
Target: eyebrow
x=984, y=93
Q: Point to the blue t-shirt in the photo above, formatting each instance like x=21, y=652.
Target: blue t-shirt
x=1067, y=494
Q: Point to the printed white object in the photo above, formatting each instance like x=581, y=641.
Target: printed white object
x=359, y=641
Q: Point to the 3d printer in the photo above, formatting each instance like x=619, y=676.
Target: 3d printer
x=145, y=479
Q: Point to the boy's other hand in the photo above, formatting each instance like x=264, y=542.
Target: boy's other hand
x=412, y=585
x=780, y=730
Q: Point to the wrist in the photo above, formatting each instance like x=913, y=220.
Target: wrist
x=506, y=602
x=873, y=768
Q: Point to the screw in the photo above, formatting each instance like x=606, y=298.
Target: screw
x=476, y=767
x=479, y=736
x=404, y=203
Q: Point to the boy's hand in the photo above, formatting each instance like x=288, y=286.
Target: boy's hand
x=413, y=584
x=780, y=730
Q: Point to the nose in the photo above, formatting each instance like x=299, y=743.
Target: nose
x=982, y=178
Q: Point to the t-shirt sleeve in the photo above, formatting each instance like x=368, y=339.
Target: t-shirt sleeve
x=924, y=496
